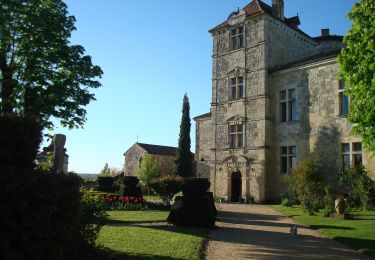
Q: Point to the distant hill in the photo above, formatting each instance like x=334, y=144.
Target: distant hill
x=88, y=176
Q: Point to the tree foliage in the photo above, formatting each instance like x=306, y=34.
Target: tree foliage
x=357, y=66
x=41, y=73
x=149, y=169
x=184, y=158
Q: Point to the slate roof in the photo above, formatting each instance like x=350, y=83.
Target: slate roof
x=203, y=116
x=329, y=38
x=310, y=59
x=257, y=7
x=158, y=149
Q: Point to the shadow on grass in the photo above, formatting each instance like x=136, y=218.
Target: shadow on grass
x=101, y=253
x=366, y=246
x=330, y=227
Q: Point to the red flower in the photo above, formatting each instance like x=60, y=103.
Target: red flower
x=132, y=198
x=136, y=201
x=127, y=199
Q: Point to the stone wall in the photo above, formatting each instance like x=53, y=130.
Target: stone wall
x=166, y=164
x=132, y=159
x=319, y=130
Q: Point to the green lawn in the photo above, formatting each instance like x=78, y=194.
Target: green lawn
x=151, y=197
x=138, y=235
x=357, y=232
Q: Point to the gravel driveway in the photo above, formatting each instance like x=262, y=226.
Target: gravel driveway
x=260, y=232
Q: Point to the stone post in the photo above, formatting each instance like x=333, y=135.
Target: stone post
x=59, y=152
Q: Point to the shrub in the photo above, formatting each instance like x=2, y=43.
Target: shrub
x=329, y=200
x=92, y=216
x=357, y=187
x=286, y=201
x=166, y=187
x=43, y=216
x=308, y=185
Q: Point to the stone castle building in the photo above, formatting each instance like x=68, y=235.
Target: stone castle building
x=163, y=155
x=276, y=97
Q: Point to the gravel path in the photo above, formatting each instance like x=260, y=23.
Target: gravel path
x=260, y=232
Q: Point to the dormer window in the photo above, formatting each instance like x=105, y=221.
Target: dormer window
x=237, y=38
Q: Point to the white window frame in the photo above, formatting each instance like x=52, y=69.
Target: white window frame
x=352, y=152
x=237, y=135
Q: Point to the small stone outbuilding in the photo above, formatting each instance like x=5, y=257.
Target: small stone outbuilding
x=164, y=156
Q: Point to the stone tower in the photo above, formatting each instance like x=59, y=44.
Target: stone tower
x=234, y=139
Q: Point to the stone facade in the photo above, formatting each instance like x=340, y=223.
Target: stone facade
x=164, y=157
x=241, y=139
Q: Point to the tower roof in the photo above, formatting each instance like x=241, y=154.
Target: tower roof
x=258, y=7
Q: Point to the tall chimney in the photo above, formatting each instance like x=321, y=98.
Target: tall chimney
x=278, y=9
x=325, y=32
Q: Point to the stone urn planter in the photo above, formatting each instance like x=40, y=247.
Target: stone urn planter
x=105, y=183
x=129, y=187
x=130, y=181
x=196, y=207
x=340, y=206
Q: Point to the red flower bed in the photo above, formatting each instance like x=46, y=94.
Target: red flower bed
x=121, y=202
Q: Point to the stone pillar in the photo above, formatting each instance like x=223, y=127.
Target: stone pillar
x=59, y=152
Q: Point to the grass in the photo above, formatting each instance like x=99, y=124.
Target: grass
x=151, y=197
x=357, y=232
x=138, y=235
x=137, y=216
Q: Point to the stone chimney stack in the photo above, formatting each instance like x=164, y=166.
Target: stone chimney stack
x=325, y=32
x=278, y=9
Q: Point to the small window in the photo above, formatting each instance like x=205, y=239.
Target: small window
x=288, y=105
x=288, y=158
x=351, y=155
x=237, y=38
x=343, y=100
x=236, y=88
x=236, y=136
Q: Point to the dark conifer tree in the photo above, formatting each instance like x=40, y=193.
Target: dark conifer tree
x=184, y=157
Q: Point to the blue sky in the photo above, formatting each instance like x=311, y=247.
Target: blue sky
x=152, y=52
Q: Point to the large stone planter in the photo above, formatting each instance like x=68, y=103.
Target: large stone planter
x=196, y=207
x=129, y=188
x=130, y=181
x=105, y=183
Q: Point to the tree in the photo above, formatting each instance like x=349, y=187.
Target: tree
x=357, y=70
x=149, y=169
x=41, y=73
x=109, y=171
x=184, y=158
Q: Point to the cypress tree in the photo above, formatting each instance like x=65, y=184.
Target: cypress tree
x=184, y=158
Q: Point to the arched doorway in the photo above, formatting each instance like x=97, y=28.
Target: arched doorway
x=236, y=187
